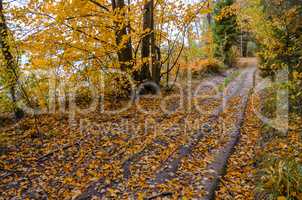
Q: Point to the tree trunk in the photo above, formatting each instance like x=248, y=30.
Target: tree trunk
x=11, y=65
x=209, y=19
x=146, y=41
x=125, y=53
x=244, y=45
x=155, y=51
x=209, y=16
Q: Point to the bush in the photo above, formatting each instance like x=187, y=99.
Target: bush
x=280, y=47
x=83, y=97
x=279, y=161
x=233, y=54
x=117, y=86
x=206, y=66
x=281, y=177
x=295, y=96
x=5, y=102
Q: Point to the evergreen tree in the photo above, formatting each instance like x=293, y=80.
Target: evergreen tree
x=225, y=29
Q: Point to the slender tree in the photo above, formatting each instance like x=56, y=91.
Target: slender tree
x=9, y=62
x=155, y=50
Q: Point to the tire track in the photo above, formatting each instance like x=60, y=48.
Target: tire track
x=99, y=187
x=217, y=167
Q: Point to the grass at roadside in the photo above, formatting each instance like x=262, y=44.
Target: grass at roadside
x=279, y=157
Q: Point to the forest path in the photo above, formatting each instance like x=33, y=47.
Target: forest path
x=188, y=158
x=173, y=145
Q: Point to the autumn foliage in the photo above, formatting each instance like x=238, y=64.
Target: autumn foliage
x=150, y=99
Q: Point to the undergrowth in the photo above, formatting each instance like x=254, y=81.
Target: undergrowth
x=279, y=158
x=281, y=177
x=203, y=67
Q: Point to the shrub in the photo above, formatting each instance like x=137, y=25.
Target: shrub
x=281, y=177
x=83, y=97
x=5, y=102
x=233, y=54
x=206, y=66
x=117, y=86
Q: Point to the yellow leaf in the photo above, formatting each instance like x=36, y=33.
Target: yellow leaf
x=281, y=198
x=68, y=180
x=140, y=196
x=112, y=192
